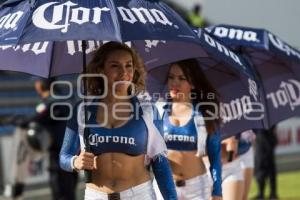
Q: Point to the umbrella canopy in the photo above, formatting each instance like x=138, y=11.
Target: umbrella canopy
x=46, y=59
x=110, y=20
x=276, y=64
x=226, y=70
x=3, y=3
x=52, y=23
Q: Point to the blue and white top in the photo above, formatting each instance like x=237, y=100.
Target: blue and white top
x=193, y=136
x=140, y=135
x=130, y=138
x=125, y=139
x=181, y=138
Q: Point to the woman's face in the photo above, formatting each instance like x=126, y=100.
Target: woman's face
x=119, y=71
x=178, y=85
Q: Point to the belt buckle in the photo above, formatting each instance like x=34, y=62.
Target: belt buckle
x=180, y=183
x=114, y=196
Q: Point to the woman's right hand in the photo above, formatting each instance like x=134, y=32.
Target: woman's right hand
x=229, y=146
x=85, y=160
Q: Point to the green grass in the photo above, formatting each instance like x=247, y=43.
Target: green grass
x=288, y=186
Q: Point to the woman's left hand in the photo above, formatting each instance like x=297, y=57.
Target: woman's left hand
x=216, y=198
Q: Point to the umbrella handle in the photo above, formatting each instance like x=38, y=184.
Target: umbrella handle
x=88, y=176
x=88, y=173
x=230, y=156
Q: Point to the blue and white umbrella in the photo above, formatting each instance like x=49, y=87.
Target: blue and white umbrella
x=110, y=20
x=52, y=23
x=226, y=70
x=276, y=64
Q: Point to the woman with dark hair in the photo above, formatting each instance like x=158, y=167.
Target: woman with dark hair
x=124, y=135
x=191, y=130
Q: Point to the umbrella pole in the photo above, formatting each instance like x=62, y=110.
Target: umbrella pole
x=87, y=173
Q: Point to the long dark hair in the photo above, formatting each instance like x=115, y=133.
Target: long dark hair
x=96, y=84
x=202, y=91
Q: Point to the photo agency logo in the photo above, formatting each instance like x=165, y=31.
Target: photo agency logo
x=236, y=109
x=94, y=100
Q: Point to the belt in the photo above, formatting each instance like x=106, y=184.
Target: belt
x=180, y=183
x=114, y=196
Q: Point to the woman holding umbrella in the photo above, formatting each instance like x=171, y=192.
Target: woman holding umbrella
x=191, y=131
x=124, y=137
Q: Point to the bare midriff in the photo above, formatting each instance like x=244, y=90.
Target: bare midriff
x=185, y=164
x=117, y=172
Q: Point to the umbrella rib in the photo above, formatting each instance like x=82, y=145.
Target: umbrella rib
x=51, y=61
x=220, y=70
x=272, y=60
x=249, y=51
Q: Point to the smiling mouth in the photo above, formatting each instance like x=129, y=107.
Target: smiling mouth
x=174, y=90
x=122, y=81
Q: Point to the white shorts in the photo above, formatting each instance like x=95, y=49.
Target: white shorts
x=232, y=171
x=197, y=188
x=247, y=159
x=143, y=191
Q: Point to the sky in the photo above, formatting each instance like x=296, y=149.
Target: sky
x=281, y=17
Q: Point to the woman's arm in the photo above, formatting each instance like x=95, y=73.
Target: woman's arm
x=71, y=144
x=161, y=168
x=163, y=176
x=214, y=156
x=69, y=150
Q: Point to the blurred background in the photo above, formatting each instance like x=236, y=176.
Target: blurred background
x=18, y=95
x=279, y=17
